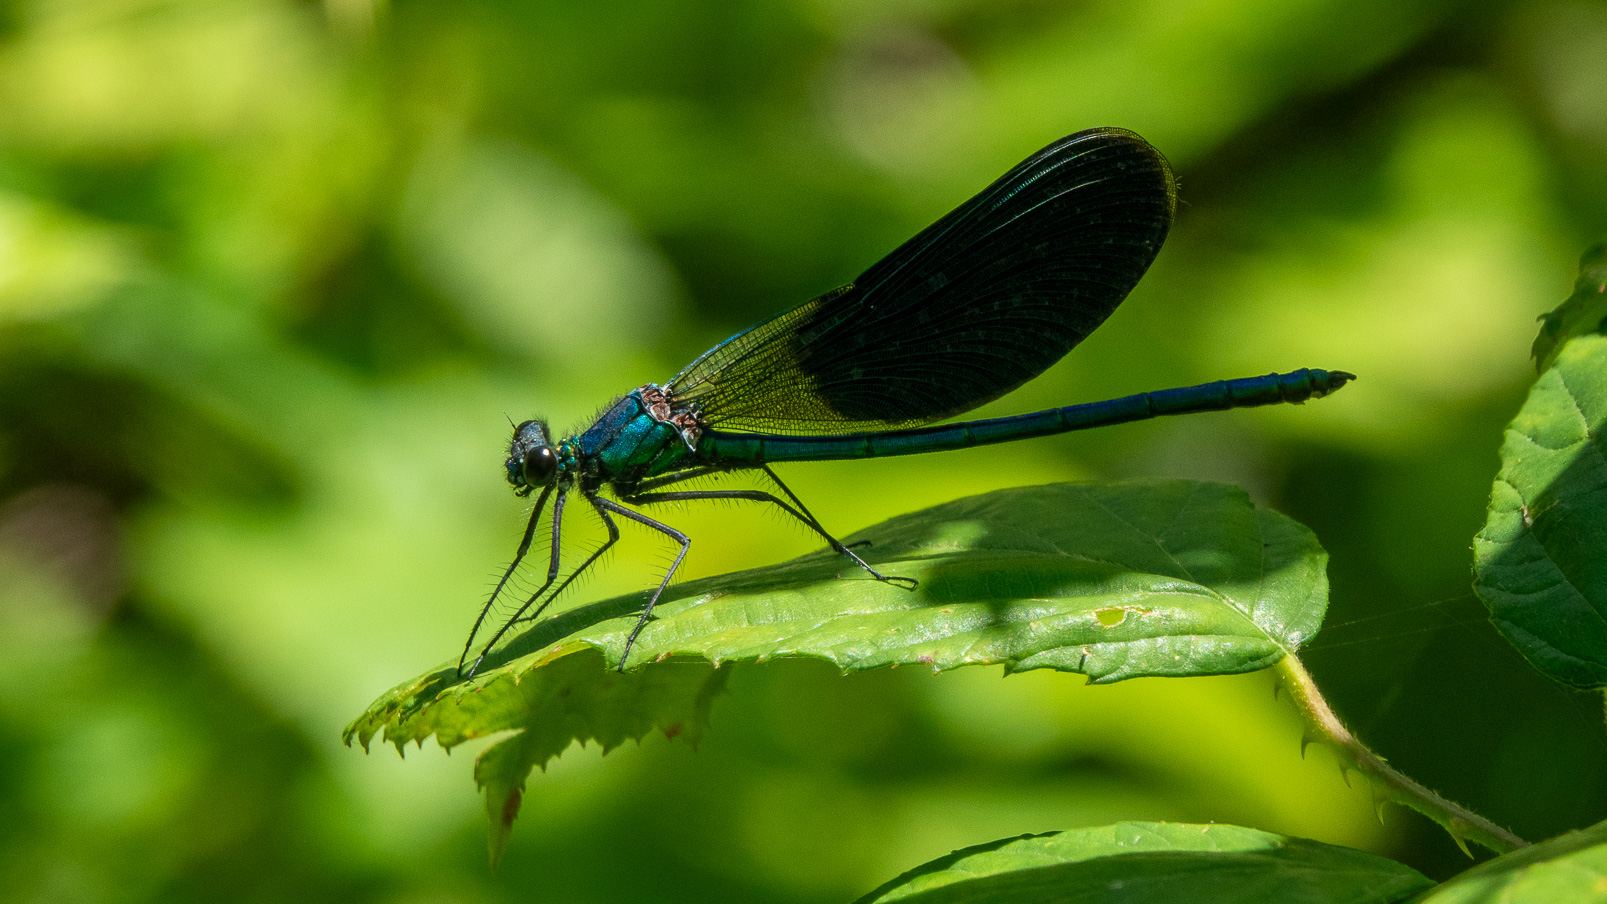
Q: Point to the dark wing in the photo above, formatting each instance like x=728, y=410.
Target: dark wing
x=978, y=303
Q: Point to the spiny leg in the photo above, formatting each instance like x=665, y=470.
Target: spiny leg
x=666, y=530
x=552, y=575
x=760, y=496
x=613, y=537
x=664, y=480
x=524, y=547
x=845, y=549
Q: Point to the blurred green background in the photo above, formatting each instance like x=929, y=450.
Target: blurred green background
x=273, y=272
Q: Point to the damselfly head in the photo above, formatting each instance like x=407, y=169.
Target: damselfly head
x=531, y=460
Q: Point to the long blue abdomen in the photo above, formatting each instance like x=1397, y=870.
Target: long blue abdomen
x=746, y=449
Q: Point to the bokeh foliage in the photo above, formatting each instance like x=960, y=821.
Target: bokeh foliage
x=272, y=271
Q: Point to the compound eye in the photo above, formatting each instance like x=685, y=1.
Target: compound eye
x=540, y=465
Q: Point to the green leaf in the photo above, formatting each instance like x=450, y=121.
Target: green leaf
x=1114, y=581
x=1538, y=563
x=1147, y=861
x=566, y=694
x=1584, y=312
x=1568, y=868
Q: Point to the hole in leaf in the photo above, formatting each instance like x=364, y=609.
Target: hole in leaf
x=1111, y=616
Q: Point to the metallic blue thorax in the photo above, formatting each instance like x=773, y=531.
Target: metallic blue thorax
x=628, y=443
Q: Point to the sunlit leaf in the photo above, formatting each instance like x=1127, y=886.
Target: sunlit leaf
x=1113, y=581
x=1538, y=562
x=1584, y=312
x=1571, y=867
x=1145, y=861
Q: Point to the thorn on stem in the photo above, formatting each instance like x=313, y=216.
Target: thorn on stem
x=1455, y=830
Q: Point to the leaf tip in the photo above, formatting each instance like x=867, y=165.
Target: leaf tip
x=502, y=826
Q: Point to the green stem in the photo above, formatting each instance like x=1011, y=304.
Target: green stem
x=1461, y=822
